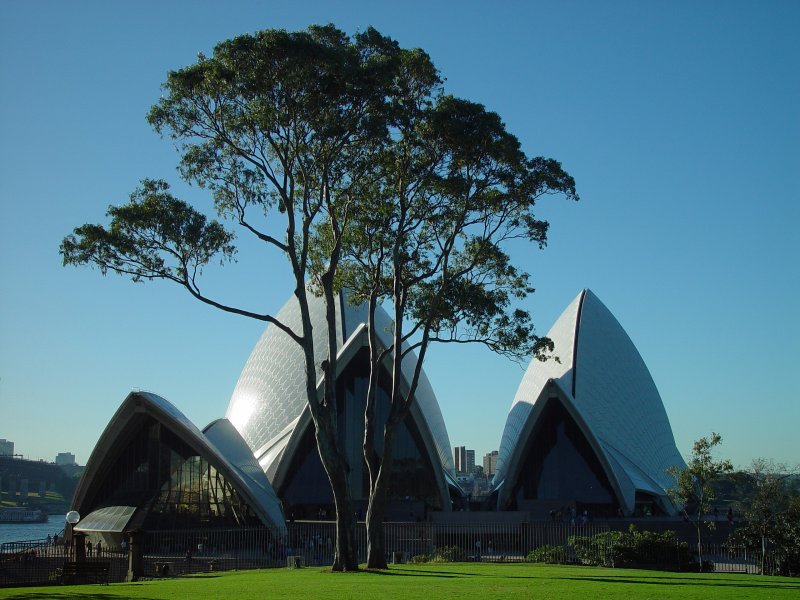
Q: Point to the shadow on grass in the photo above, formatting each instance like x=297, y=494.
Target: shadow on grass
x=447, y=574
x=690, y=582
x=654, y=579
x=83, y=595
x=429, y=573
x=404, y=573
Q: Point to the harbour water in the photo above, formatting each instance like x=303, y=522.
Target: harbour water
x=16, y=532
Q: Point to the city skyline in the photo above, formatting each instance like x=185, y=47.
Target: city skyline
x=679, y=124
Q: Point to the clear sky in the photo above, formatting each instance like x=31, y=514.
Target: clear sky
x=680, y=122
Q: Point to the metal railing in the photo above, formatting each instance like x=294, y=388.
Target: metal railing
x=170, y=553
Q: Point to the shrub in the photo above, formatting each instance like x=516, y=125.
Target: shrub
x=600, y=549
x=420, y=558
x=449, y=554
x=548, y=554
x=632, y=548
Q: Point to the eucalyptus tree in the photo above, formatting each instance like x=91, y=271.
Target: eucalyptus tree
x=448, y=196
x=282, y=128
x=693, y=491
x=771, y=515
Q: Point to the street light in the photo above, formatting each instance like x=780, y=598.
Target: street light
x=73, y=517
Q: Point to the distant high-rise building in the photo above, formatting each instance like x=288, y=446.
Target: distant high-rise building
x=460, y=458
x=65, y=458
x=490, y=463
x=464, y=460
x=6, y=448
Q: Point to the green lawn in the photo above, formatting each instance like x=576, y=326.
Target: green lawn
x=439, y=580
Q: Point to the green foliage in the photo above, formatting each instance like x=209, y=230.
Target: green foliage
x=419, y=559
x=771, y=524
x=602, y=549
x=693, y=491
x=154, y=236
x=548, y=554
x=282, y=128
x=441, y=554
x=452, y=191
x=449, y=554
x=632, y=549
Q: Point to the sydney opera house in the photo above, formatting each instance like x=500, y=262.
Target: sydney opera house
x=588, y=431
x=590, y=428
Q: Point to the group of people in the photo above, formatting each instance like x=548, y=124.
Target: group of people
x=95, y=549
x=563, y=514
x=98, y=548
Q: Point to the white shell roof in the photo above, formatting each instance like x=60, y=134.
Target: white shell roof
x=232, y=446
x=221, y=445
x=605, y=379
x=270, y=395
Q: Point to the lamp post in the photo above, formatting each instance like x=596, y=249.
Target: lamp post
x=76, y=539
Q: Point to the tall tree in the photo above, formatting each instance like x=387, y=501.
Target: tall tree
x=283, y=129
x=693, y=490
x=451, y=191
x=771, y=520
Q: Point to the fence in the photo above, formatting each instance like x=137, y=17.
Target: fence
x=39, y=562
x=315, y=542
x=168, y=553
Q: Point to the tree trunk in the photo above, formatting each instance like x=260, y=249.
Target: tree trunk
x=376, y=510
x=376, y=552
x=346, y=554
x=323, y=413
x=699, y=543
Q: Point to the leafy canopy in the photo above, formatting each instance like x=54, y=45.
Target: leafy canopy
x=693, y=489
x=274, y=124
x=448, y=196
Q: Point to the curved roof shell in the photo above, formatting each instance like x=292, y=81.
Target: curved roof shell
x=220, y=444
x=605, y=385
x=269, y=403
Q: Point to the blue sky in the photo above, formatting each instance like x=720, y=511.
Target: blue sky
x=680, y=122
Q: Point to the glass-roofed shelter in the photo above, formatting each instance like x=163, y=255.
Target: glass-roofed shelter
x=152, y=469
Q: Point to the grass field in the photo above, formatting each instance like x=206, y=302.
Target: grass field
x=440, y=581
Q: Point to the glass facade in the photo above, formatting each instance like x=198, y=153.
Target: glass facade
x=306, y=489
x=560, y=466
x=647, y=505
x=170, y=483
